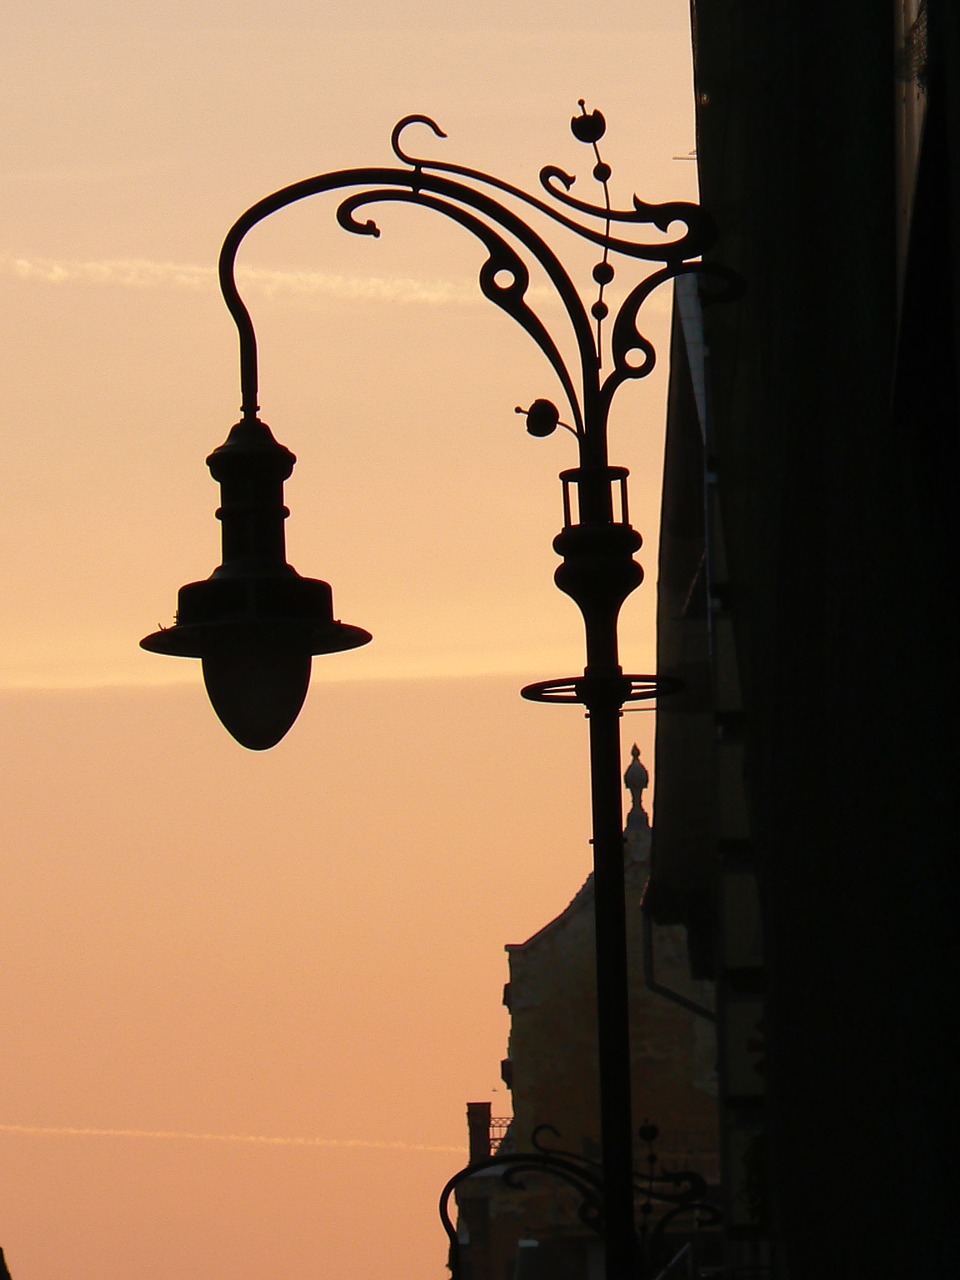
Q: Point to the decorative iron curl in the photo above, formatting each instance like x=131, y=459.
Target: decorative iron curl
x=582, y=1175
x=675, y=1187
x=466, y=196
x=684, y=1191
x=398, y=129
x=699, y=234
x=502, y=261
x=699, y=225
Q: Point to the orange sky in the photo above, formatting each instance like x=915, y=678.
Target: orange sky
x=306, y=944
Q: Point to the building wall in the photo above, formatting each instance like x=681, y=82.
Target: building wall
x=553, y=1074
x=553, y=1046
x=835, y=409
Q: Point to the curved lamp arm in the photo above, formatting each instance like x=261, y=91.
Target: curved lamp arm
x=423, y=183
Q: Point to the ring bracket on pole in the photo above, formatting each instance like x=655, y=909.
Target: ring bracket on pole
x=571, y=689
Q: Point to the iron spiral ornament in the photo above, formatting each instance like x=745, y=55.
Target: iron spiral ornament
x=663, y=1194
x=490, y=209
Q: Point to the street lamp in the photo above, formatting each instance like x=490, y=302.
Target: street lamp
x=255, y=623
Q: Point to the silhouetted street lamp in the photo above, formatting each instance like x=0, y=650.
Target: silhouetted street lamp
x=255, y=623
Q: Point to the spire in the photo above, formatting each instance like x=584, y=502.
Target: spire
x=635, y=779
x=637, y=831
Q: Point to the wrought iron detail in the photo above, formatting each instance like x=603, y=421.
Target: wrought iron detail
x=683, y=1191
x=582, y=1175
x=499, y=1131
x=687, y=1195
x=571, y=689
x=467, y=196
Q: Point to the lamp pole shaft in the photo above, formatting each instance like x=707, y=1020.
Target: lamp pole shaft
x=602, y=692
x=598, y=572
x=613, y=1027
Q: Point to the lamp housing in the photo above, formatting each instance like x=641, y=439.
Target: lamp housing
x=255, y=623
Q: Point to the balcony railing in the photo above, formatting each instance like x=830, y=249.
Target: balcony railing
x=499, y=1128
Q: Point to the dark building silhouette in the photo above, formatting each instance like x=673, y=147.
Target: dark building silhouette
x=806, y=778
x=552, y=1072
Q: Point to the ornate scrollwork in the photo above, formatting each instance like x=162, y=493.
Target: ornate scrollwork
x=490, y=208
x=681, y=1191
x=504, y=276
x=698, y=234
x=398, y=129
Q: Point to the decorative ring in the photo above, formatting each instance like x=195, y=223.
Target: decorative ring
x=570, y=688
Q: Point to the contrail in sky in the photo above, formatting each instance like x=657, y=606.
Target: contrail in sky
x=249, y=1139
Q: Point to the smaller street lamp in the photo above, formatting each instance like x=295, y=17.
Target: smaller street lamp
x=255, y=623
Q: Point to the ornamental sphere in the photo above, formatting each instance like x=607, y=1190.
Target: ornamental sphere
x=542, y=418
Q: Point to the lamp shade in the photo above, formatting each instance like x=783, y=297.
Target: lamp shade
x=256, y=637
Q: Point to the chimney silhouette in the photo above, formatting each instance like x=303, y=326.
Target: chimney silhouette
x=478, y=1127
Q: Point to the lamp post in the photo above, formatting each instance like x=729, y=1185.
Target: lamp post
x=255, y=623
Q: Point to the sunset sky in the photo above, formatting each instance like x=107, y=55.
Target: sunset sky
x=245, y=997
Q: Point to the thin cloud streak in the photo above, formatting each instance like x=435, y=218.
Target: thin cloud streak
x=140, y=273
x=248, y=1139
